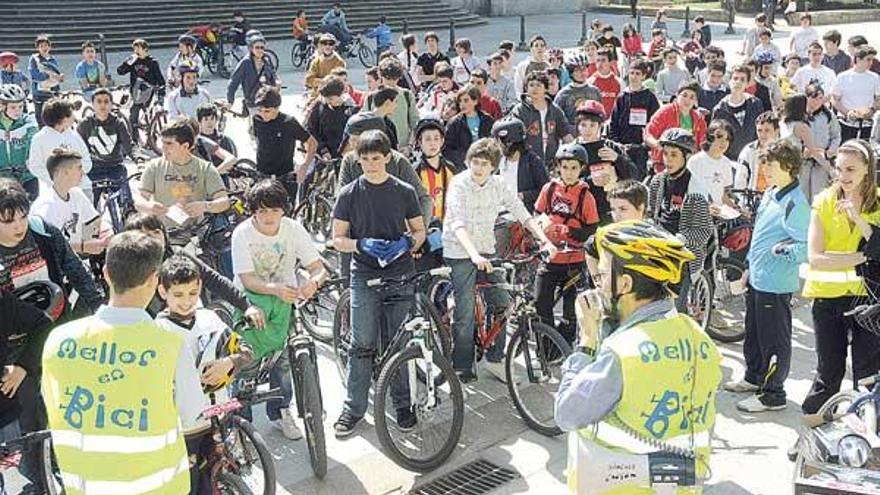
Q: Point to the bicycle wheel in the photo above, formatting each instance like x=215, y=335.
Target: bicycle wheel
x=366, y=56
x=727, y=321
x=230, y=484
x=838, y=403
x=439, y=411
x=312, y=412
x=533, y=367
x=342, y=332
x=273, y=57
x=51, y=478
x=223, y=67
x=317, y=314
x=699, y=299
x=250, y=454
x=297, y=55
x=154, y=136
x=439, y=295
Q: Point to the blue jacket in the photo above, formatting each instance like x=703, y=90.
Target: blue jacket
x=39, y=69
x=382, y=33
x=782, y=219
x=246, y=76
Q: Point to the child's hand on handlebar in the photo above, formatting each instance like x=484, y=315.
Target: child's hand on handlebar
x=482, y=263
x=256, y=317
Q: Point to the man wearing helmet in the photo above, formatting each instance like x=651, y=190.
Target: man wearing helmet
x=183, y=101
x=765, y=75
x=333, y=23
x=9, y=73
x=679, y=202
x=325, y=60
x=17, y=129
x=186, y=55
x=626, y=399
x=252, y=72
x=535, y=62
x=578, y=90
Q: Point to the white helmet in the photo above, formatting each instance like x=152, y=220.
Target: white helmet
x=254, y=36
x=11, y=93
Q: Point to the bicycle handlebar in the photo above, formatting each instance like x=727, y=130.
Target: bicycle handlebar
x=410, y=278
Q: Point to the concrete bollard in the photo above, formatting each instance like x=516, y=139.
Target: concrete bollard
x=687, y=22
x=405, y=26
x=451, y=51
x=522, y=35
x=583, y=27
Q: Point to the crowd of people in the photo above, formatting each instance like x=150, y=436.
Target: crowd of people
x=618, y=157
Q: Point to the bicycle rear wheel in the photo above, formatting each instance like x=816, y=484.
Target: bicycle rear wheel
x=366, y=56
x=230, y=484
x=342, y=332
x=273, y=57
x=727, y=321
x=51, y=478
x=154, y=135
x=699, y=299
x=439, y=410
x=533, y=367
x=317, y=314
x=250, y=454
x=312, y=412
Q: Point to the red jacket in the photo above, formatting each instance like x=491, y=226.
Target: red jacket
x=633, y=45
x=666, y=118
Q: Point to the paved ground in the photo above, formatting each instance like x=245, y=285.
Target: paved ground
x=749, y=450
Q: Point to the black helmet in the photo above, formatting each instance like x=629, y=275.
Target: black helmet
x=509, y=130
x=364, y=121
x=572, y=151
x=679, y=138
x=426, y=124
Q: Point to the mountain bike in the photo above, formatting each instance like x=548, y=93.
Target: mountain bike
x=535, y=351
x=316, y=314
x=411, y=360
x=109, y=201
x=315, y=208
x=302, y=51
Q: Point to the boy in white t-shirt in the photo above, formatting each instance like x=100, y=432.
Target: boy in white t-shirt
x=717, y=172
x=65, y=206
x=267, y=251
x=856, y=95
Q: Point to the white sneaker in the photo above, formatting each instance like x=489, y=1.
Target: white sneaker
x=497, y=370
x=753, y=404
x=287, y=425
x=741, y=386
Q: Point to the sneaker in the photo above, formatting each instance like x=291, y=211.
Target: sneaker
x=466, y=377
x=345, y=425
x=497, y=370
x=754, y=404
x=406, y=419
x=741, y=386
x=287, y=425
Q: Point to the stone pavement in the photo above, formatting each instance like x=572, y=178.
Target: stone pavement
x=749, y=450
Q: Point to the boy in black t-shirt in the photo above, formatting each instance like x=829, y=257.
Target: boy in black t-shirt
x=277, y=135
x=378, y=219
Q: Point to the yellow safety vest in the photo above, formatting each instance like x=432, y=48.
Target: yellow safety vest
x=670, y=371
x=109, y=395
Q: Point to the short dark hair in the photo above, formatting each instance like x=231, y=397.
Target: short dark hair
x=102, y=91
x=784, y=152
x=267, y=193
x=178, y=269
x=373, y=141
x=390, y=69
x=668, y=51
x=268, y=97
x=140, y=42
x=181, y=131
x=656, y=32
x=373, y=72
x=332, y=86
x=495, y=56
x=206, y=110
x=86, y=44
x=55, y=110
x=717, y=66
x=807, y=16
x=299, y=12
x=431, y=35
x=540, y=76
x=132, y=257
x=745, y=69
x=383, y=95
x=604, y=52
x=716, y=50
x=640, y=65
x=768, y=117
x=535, y=39
x=42, y=38
x=144, y=222
x=13, y=199
x=464, y=43
x=765, y=32
x=832, y=36
x=506, y=45
x=471, y=91
x=442, y=69
x=691, y=86
x=815, y=46
x=480, y=74
x=857, y=40
x=629, y=190
x=339, y=72
x=61, y=157
x=485, y=149
x=408, y=40
x=861, y=52
x=761, y=18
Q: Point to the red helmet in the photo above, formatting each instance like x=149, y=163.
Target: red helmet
x=591, y=107
x=738, y=237
x=7, y=58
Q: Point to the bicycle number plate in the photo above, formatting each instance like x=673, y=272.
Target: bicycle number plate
x=221, y=409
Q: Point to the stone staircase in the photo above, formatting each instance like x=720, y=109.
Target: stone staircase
x=160, y=21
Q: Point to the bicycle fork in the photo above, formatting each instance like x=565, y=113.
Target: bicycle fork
x=297, y=346
x=416, y=327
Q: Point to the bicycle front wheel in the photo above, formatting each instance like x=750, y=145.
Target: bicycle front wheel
x=727, y=322
x=342, y=333
x=406, y=384
x=51, y=478
x=313, y=412
x=533, y=366
x=366, y=56
x=273, y=57
x=318, y=313
x=699, y=299
x=230, y=484
x=250, y=454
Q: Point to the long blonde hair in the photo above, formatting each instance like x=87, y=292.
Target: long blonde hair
x=868, y=189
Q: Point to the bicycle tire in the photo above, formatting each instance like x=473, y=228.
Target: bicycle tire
x=398, y=363
x=230, y=484
x=297, y=55
x=732, y=305
x=699, y=299
x=273, y=57
x=311, y=314
x=264, y=457
x=223, y=69
x=342, y=332
x=366, y=56
x=844, y=397
x=51, y=483
x=313, y=413
x=439, y=295
x=535, y=419
x=154, y=140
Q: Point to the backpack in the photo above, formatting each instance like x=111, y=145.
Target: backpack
x=578, y=206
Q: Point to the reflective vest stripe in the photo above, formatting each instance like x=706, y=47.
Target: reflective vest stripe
x=831, y=276
x=113, y=443
x=145, y=484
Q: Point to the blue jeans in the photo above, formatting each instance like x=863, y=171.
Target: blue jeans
x=372, y=312
x=279, y=377
x=464, y=280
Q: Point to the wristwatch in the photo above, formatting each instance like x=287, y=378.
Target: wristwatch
x=585, y=350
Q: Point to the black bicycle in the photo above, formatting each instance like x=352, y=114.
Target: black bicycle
x=302, y=51
x=315, y=208
x=316, y=314
x=413, y=360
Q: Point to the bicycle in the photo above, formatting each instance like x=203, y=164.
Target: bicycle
x=536, y=347
x=316, y=314
x=315, y=208
x=411, y=358
x=302, y=51
x=109, y=201
x=12, y=452
x=358, y=48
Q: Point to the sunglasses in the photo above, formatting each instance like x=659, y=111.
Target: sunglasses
x=259, y=47
x=328, y=43
x=813, y=95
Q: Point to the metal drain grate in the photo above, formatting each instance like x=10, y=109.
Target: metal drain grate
x=475, y=478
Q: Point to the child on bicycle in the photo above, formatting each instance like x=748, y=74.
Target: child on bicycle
x=571, y=219
x=475, y=198
x=217, y=353
x=301, y=27
x=268, y=249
